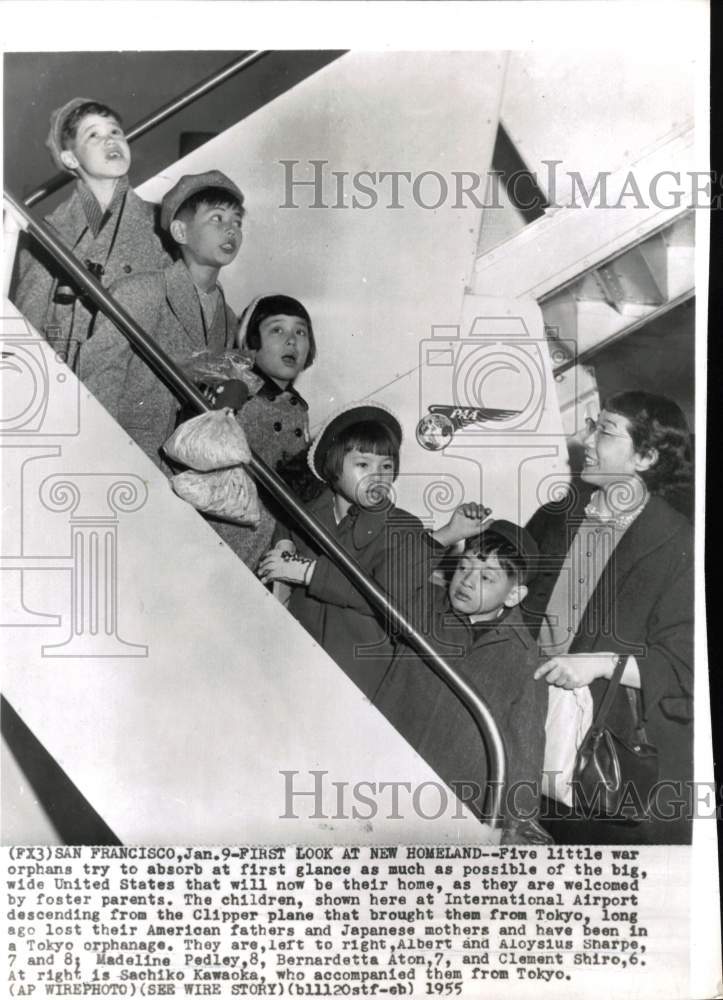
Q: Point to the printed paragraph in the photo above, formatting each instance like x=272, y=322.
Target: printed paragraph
x=318, y=921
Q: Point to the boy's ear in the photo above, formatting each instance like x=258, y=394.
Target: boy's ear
x=178, y=231
x=68, y=159
x=516, y=595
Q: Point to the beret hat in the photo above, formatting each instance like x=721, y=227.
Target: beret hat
x=517, y=536
x=355, y=413
x=188, y=185
x=57, y=120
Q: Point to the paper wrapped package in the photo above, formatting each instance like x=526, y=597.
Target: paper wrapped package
x=230, y=365
x=229, y=494
x=213, y=440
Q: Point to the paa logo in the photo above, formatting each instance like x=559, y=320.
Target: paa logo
x=436, y=430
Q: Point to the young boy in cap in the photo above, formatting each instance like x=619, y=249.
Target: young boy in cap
x=182, y=307
x=476, y=624
x=104, y=222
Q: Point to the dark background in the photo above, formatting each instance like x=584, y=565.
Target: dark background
x=134, y=84
x=714, y=527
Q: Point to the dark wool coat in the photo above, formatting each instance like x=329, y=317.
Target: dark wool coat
x=643, y=605
x=498, y=660
x=384, y=544
x=276, y=423
x=165, y=303
x=130, y=229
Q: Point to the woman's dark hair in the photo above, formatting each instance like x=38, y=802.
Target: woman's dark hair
x=73, y=120
x=656, y=422
x=368, y=436
x=278, y=305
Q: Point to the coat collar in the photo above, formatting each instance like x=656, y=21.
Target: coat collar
x=97, y=217
x=366, y=525
x=510, y=625
x=271, y=391
x=362, y=525
x=70, y=220
x=184, y=303
x=655, y=526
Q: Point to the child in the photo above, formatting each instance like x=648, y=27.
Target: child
x=357, y=455
x=475, y=622
x=276, y=331
x=182, y=307
x=104, y=223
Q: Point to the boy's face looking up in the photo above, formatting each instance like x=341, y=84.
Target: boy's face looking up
x=99, y=149
x=284, y=347
x=480, y=587
x=210, y=236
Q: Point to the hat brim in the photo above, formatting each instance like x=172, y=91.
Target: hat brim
x=357, y=413
x=517, y=536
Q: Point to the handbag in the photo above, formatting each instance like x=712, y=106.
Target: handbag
x=613, y=777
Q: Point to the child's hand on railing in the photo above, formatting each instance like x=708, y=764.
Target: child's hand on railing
x=467, y=520
x=283, y=564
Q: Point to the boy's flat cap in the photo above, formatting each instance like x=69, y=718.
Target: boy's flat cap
x=57, y=120
x=519, y=537
x=189, y=184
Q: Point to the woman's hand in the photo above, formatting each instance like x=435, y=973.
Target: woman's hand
x=576, y=670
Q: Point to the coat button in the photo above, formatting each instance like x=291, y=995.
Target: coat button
x=298, y=432
x=277, y=425
x=294, y=401
x=127, y=268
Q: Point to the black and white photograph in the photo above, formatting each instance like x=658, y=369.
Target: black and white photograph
x=353, y=439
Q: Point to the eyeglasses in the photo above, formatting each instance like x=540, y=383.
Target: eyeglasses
x=595, y=427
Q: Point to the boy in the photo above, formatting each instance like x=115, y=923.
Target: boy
x=182, y=307
x=104, y=223
x=476, y=624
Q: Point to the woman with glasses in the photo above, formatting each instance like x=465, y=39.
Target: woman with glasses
x=616, y=581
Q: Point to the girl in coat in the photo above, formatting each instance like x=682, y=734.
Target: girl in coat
x=356, y=455
x=277, y=333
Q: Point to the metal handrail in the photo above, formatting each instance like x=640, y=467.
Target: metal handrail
x=62, y=178
x=187, y=392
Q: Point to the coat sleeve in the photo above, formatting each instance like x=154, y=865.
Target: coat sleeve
x=398, y=569
x=524, y=733
x=231, y=328
x=666, y=670
x=34, y=288
x=104, y=359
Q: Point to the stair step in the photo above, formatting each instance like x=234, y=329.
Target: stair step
x=681, y=232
